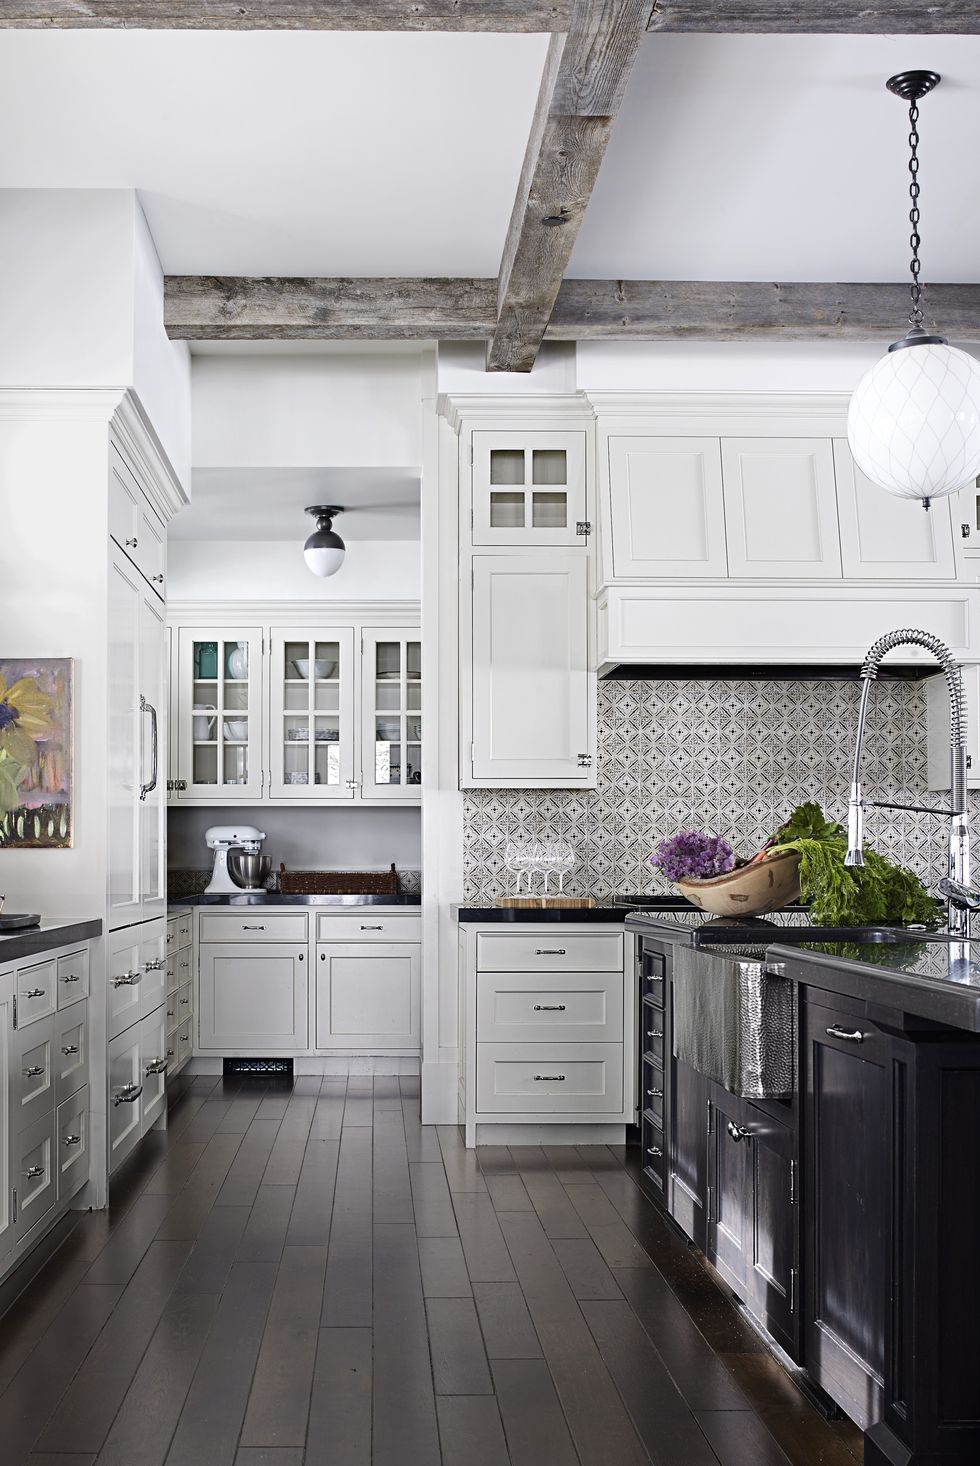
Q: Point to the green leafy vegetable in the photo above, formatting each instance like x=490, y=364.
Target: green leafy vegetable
x=839, y=895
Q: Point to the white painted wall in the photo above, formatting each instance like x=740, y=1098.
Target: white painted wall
x=220, y=570
x=81, y=301
x=306, y=839
x=462, y=367
x=273, y=411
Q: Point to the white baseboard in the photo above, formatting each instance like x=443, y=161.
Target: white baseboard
x=440, y=1103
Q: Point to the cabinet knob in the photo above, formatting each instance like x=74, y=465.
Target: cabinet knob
x=34, y=1072
x=654, y=1150
x=33, y=1172
x=69, y=1049
x=738, y=1132
x=71, y=977
x=132, y=544
x=156, y=580
x=73, y=1140
x=965, y=531
x=35, y=993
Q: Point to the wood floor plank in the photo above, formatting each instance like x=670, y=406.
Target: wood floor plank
x=508, y=1332
x=86, y=1412
x=360, y=1086
x=462, y=1167
x=508, y=1193
x=247, y=1169
x=470, y=1430
x=568, y=1164
x=38, y=1385
x=803, y=1434
x=340, y=1413
x=495, y=1160
x=656, y=1406
x=279, y=1400
x=537, y=1432
x=309, y=1224
x=348, y=1293
x=550, y=1200
x=410, y=1085
x=242, y=1110
x=127, y=1244
x=443, y=1266
x=191, y=1207
x=431, y=1200
x=273, y=1106
x=392, y=1187
x=261, y=1457
x=487, y=1258
x=35, y=1309
x=210, y=1422
x=421, y=1141
x=739, y=1438
x=358, y=1110
x=175, y=1167
x=404, y=1430
x=606, y=1227
x=386, y=1087
x=700, y=1374
x=265, y=1232
x=286, y=1160
x=459, y=1361
x=585, y=1269
x=58, y=1459
x=142, y=1430
x=207, y=1268
x=529, y=1158
x=328, y=1117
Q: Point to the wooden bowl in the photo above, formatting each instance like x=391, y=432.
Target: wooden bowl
x=768, y=885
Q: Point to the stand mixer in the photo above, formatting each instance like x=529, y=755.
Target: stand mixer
x=225, y=838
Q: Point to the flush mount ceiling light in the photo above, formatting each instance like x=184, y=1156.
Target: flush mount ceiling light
x=914, y=419
x=324, y=550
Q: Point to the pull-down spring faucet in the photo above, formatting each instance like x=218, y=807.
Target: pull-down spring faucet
x=956, y=886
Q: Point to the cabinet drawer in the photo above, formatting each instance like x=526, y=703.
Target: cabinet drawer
x=153, y=1063
x=654, y=1155
x=562, y=952
x=184, y=1045
x=73, y=977
x=555, y=1079
x=366, y=927
x=652, y=1096
x=33, y=1073
x=172, y=941
x=173, y=980
x=653, y=969
x=255, y=926
x=184, y=965
x=37, y=992
x=35, y=1178
x=72, y=1131
x=170, y=1014
x=125, y=976
x=185, y=929
x=70, y=1052
x=567, y=1007
x=185, y=1003
x=125, y=1091
x=652, y=1031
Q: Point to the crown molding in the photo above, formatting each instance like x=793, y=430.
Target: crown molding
x=650, y=403
x=65, y=404
x=294, y=613
x=474, y=407
x=137, y=438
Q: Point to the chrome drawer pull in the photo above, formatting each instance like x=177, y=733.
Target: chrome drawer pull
x=68, y=1049
x=156, y=1066
x=35, y=992
x=655, y=977
x=857, y=1037
x=738, y=1132
x=549, y=1007
x=128, y=1095
x=128, y=980
x=34, y=1072
x=72, y=977
x=655, y=1033
x=73, y=1140
x=548, y=1078
x=549, y=951
x=184, y=1002
x=372, y=928
x=655, y=1094
x=153, y=965
x=247, y=928
x=170, y=1053
x=33, y=1172
x=654, y=1150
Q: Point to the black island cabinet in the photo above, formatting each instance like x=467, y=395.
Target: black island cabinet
x=845, y=1217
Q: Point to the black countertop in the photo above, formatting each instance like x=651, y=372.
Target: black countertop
x=44, y=938
x=275, y=898
x=556, y=915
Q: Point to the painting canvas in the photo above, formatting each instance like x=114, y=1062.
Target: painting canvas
x=35, y=753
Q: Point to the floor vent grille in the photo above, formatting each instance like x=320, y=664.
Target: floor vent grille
x=282, y=1068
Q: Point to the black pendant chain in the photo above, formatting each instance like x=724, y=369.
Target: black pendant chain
x=915, y=289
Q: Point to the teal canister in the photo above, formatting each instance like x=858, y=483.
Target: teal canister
x=207, y=659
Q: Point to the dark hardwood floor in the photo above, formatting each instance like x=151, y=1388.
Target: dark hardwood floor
x=290, y=1277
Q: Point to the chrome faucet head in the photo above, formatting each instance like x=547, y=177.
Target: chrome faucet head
x=855, y=828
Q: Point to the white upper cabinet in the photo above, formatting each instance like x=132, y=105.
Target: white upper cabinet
x=781, y=507
x=219, y=713
x=529, y=488
x=533, y=694
x=136, y=529
x=667, y=507
x=391, y=714
x=883, y=536
x=311, y=724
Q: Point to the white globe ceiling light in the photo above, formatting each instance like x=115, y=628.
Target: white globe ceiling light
x=324, y=550
x=914, y=419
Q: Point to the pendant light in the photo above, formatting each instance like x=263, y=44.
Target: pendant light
x=324, y=550
x=914, y=419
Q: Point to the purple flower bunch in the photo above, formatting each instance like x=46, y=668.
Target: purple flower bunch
x=693, y=853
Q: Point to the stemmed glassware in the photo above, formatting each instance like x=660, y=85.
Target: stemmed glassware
x=553, y=858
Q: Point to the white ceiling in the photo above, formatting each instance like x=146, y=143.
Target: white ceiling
x=784, y=158
x=268, y=503
x=282, y=153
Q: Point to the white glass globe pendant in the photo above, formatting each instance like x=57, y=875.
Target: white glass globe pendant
x=324, y=550
x=914, y=420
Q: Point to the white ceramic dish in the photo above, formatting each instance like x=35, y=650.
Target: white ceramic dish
x=236, y=728
x=322, y=668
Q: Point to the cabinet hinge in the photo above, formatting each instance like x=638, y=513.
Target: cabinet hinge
x=709, y=1217
x=583, y=527
x=793, y=1276
x=585, y=760
x=13, y=1205
x=711, y=1119
x=15, y=1010
x=792, y=1183
x=472, y=763
x=471, y=453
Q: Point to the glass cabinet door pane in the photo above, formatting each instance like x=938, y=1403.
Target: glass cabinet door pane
x=549, y=466
x=326, y=661
x=506, y=510
x=235, y=661
x=388, y=660
x=507, y=466
x=549, y=510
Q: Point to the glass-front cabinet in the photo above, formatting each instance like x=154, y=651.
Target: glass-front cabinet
x=219, y=714
x=311, y=724
x=391, y=713
x=529, y=488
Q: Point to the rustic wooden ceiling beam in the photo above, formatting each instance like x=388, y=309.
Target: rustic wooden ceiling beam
x=290, y=15
x=582, y=86
x=213, y=308
x=828, y=17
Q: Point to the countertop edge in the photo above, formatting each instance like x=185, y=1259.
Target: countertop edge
x=527, y=915
x=32, y=941
x=937, y=1000
x=277, y=898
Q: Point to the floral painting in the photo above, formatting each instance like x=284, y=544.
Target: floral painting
x=35, y=753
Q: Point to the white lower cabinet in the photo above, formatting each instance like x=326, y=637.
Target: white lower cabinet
x=35, y=1178
x=72, y=1140
x=153, y=1062
x=368, y=995
x=253, y=997
x=71, y=1051
x=125, y=1091
x=33, y=1087
x=546, y=1015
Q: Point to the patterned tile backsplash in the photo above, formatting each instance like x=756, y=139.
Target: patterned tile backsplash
x=730, y=757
